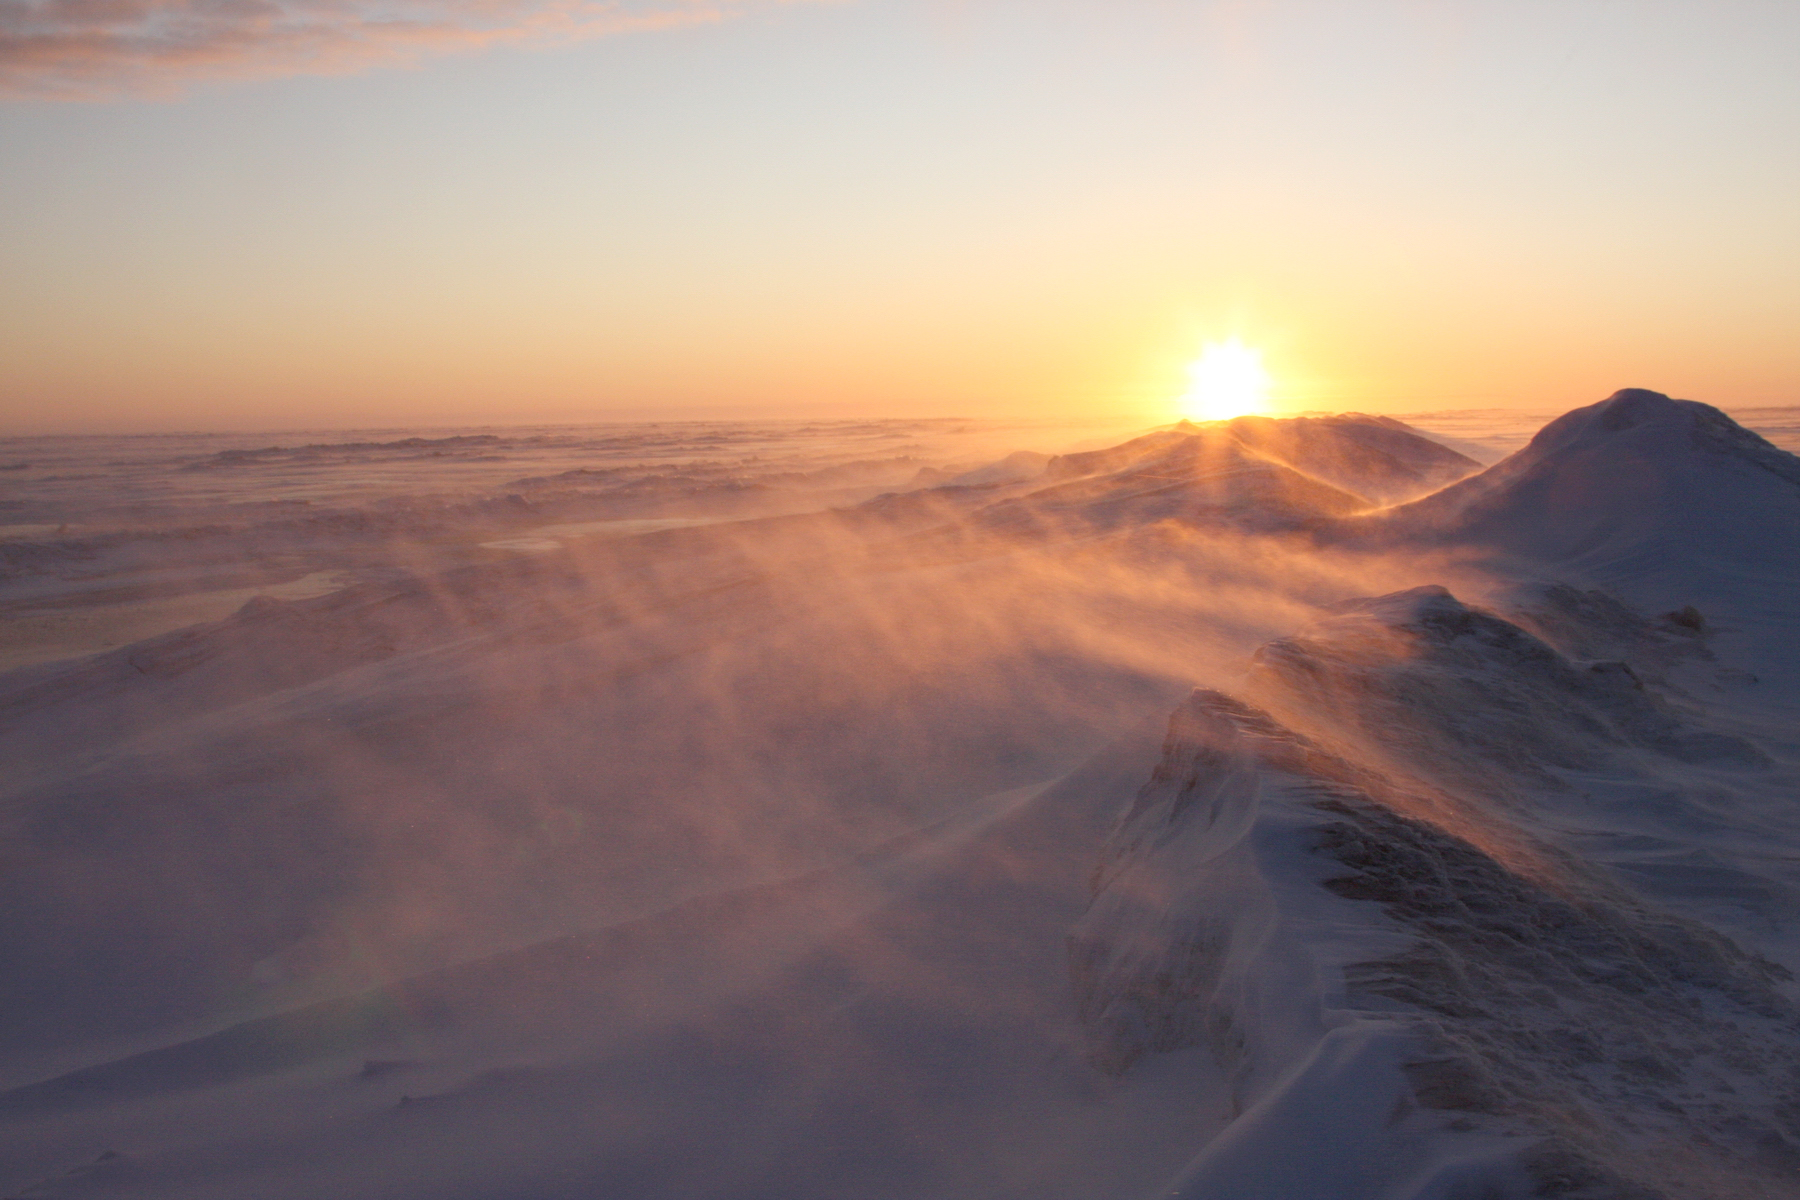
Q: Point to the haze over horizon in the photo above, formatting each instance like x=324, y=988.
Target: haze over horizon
x=440, y=214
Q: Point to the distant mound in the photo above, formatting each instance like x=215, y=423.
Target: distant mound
x=1377, y=457
x=1256, y=473
x=1208, y=478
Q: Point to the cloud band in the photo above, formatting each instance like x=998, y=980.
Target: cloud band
x=95, y=49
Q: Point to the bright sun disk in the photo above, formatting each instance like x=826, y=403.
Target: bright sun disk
x=1226, y=381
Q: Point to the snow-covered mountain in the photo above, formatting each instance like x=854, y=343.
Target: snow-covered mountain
x=1667, y=502
x=1613, y=487
x=1253, y=473
x=1429, y=893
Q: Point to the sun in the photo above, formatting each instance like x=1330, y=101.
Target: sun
x=1227, y=381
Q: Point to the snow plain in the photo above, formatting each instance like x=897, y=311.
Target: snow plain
x=797, y=811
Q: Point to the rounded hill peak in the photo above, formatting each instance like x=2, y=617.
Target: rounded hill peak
x=1630, y=409
x=1634, y=406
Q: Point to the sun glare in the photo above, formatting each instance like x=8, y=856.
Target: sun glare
x=1226, y=381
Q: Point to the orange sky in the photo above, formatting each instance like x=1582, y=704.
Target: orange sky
x=988, y=207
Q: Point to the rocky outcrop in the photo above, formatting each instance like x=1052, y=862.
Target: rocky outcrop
x=1374, y=942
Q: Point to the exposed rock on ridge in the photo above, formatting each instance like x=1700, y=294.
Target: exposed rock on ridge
x=1296, y=908
x=1466, y=684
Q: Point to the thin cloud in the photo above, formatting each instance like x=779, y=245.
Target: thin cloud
x=95, y=49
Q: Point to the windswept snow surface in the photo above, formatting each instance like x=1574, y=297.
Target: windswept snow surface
x=1665, y=502
x=1494, y=895
x=1253, y=472
x=798, y=841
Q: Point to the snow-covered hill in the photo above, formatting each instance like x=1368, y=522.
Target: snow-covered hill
x=1667, y=502
x=1378, y=457
x=1200, y=478
x=804, y=859
x=1255, y=473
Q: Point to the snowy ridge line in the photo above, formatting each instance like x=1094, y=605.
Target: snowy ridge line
x=1261, y=475
x=1536, y=1031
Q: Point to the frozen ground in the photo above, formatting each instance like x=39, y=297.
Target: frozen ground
x=797, y=811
